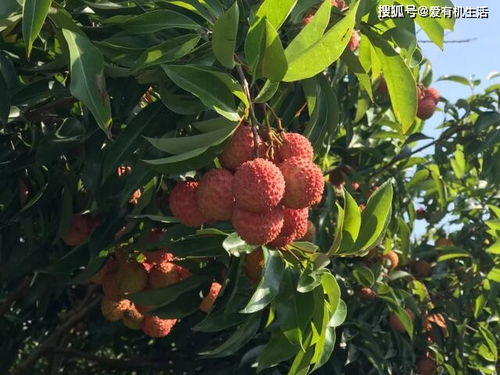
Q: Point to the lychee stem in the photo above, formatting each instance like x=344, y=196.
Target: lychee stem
x=253, y=122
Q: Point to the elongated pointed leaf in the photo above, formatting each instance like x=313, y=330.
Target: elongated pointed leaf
x=225, y=32
x=321, y=54
x=153, y=21
x=87, y=77
x=275, y=11
x=351, y=224
x=34, y=14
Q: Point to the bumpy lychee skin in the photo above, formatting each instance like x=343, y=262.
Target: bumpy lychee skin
x=110, y=286
x=132, y=318
x=254, y=262
x=163, y=274
x=110, y=266
x=132, y=277
x=294, y=226
x=239, y=149
x=113, y=310
x=215, y=194
x=183, y=272
x=79, y=229
x=353, y=44
x=304, y=183
x=426, y=108
x=258, y=229
x=393, y=258
x=426, y=366
x=154, y=326
x=295, y=144
x=183, y=204
x=258, y=186
x=159, y=256
x=208, y=301
x=396, y=324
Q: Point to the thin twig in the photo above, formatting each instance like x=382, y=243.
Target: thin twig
x=49, y=341
x=450, y=41
x=254, y=122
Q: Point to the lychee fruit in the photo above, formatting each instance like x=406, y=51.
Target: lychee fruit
x=183, y=204
x=421, y=268
x=433, y=94
x=304, y=183
x=353, y=44
x=444, y=242
x=295, y=145
x=239, y=149
x=254, y=262
x=393, y=258
x=158, y=256
x=258, y=186
x=436, y=319
x=426, y=366
x=340, y=4
x=134, y=198
x=113, y=310
x=215, y=194
x=420, y=213
x=309, y=16
x=294, y=226
x=209, y=300
x=258, y=229
x=163, y=274
x=109, y=266
x=396, y=324
x=310, y=232
x=123, y=169
x=110, y=286
x=154, y=326
x=79, y=230
x=367, y=293
x=183, y=273
x=427, y=101
x=132, y=277
x=132, y=318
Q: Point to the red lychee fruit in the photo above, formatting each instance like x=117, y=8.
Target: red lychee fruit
x=426, y=366
x=309, y=16
x=304, y=183
x=163, y=274
x=295, y=145
x=134, y=198
x=111, y=265
x=294, y=226
x=215, y=194
x=132, y=277
x=258, y=186
x=113, y=310
x=433, y=94
x=421, y=268
x=393, y=258
x=158, y=256
x=367, y=293
x=208, y=301
x=154, y=326
x=396, y=324
x=183, y=273
x=353, y=44
x=239, y=149
x=420, y=213
x=110, y=286
x=79, y=229
x=254, y=262
x=123, y=169
x=132, y=318
x=258, y=229
x=183, y=204
x=382, y=87
x=355, y=186
x=427, y=101
x=310, y=232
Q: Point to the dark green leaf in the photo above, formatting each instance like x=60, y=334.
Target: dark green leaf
x=153, y=21
x=224, y=36
x=34, y=14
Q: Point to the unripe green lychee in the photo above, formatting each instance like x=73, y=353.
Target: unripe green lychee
x=132, y=277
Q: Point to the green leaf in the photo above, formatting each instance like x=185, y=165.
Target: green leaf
x=431, y=26
x=5, y=100
x=87, y=78
x=163, y=296
x=234, y=245
x=454, y=78
x=275, y=11
x=339, y=315
x=351, y=224
x=277, y=350
x=309, y=279
x=453, y=254
x=400, y=83
x=458, y=162
x=243, y=334
x=405, y=320
x=269, y=284
x=186, y=304
x=324, y=52
x=153, y=21
x=198, y=246
x=224, y=36
x=310, y=33
x=363, y=275
x=170, y=50
x=375, y=217
x=337, y=239
x=324, y=348
x=267, y=92
x=332, y=290
x=34, y=14
x=214, y=89
x=181, y=145
x=325, y=115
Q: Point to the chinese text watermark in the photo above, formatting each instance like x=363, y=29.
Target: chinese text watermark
x=401, y=11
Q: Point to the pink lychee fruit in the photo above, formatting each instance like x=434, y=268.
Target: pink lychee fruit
x=294, y=226
x=208, y=301
x=183, y=204
x=295, y=144
x=258, y=229
x=154, y=326
x=239, y=149
x=215, y=194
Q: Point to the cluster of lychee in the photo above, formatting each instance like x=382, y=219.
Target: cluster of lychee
x=122, y=276
x=267, y=198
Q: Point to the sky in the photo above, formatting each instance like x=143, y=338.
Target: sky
x=476, y=59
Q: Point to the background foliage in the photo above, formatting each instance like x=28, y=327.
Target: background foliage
x=159, y=85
